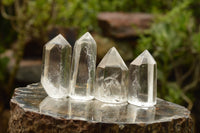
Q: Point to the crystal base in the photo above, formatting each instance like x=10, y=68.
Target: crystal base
x=86, y=98
x=113, y=100
x=137, y=102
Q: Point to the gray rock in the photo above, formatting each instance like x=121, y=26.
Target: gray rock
x=124, y=25
x=29, y=71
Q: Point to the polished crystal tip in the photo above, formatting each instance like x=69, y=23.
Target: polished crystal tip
x=144, y=58
x=142, y=88
x=111, y=78
x=83, y=68
x=55, y=76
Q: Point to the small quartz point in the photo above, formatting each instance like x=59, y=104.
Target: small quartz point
x=111, y=78
x=142, y=88
x=56, y=67
x=83, y=68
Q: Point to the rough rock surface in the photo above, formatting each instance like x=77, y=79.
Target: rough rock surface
x=32, y=112
x=124, y=25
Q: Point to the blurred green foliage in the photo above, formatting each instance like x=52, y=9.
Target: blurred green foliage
x=40, y=14
x=36, y=16
x=6, y=38
x=3, y=66
x=174, y=41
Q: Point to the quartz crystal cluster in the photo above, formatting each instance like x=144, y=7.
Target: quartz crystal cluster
x=114, y=82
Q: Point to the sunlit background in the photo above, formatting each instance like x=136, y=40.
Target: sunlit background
x=169, y=29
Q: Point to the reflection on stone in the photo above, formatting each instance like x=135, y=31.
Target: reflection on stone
x=109, y=112
x=139, y=114
x=67, y=107
x=55, y=107
x=81, y=110
x=34, y=98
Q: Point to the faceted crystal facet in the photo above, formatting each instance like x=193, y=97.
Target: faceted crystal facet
x=142, y=89
x=111, y=78
x=56, y=67
x=83, y=68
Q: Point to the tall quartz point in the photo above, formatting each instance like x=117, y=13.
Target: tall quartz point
x=111, y=78
x=142, y=89
x=56, y=67
x=83, y=68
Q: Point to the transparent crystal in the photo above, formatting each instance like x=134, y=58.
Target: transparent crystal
x=56, y=67
x=142, y=89
x=111, y=78
x=83, y=68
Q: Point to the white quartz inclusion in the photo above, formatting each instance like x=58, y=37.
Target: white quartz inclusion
x=111, y=78
x=56, y=67
x=83, y=68
x=142, y=89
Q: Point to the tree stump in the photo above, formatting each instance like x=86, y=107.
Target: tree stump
x=32, y=111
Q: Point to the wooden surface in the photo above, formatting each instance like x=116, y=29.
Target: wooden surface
x=32, y=111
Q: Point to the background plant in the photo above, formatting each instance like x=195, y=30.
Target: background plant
x=174, y=42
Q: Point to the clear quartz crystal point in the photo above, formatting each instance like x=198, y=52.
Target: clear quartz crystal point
x=111, y=78
x=56, y=67
x=142, y=88
x=83, y=68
